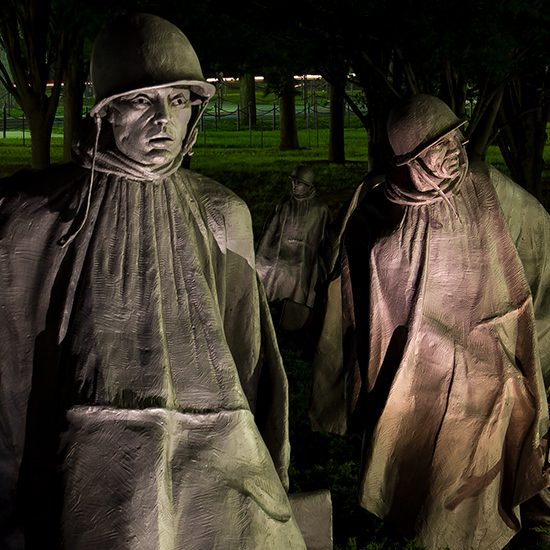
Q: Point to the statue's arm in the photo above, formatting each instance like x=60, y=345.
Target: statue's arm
x=529, y=226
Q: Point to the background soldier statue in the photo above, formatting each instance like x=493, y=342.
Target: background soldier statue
x=289, y=255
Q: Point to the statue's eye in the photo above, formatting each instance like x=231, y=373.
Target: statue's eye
x=180, y=101
x=141, y=101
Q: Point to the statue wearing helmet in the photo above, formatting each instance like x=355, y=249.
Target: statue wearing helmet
x=139, y=337
x=289, y=256
x=444, y=289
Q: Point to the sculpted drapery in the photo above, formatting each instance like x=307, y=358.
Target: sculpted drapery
x=136, y=329
x=143, y=401
x=435, y=347
x=450, y=400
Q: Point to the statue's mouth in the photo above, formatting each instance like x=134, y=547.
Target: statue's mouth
x=161, y=140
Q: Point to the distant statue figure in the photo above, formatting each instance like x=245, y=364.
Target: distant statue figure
x=436, y=341
x=143, y=401
x=289, y=258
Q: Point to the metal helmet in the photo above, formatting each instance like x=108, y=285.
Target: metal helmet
x=303, y=173
x=417, y=123
x=142, y=51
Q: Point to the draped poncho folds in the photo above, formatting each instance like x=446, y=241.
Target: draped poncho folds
x=143, y=402
x=288, y=255
x=435, y=342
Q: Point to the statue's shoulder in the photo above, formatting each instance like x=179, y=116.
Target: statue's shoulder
x=481, y=170
x=320, y=204
x=35, y=205
x=215, y=197
x=226, y=214
x=27, y=184
x=373, y=208
x=508, y=191
x=485, y=172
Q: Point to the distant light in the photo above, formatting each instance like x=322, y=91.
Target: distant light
x=261, y=78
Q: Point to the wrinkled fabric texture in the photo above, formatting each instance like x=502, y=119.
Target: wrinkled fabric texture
x=288, y=258
x=434, y=347
x=313, y=512
x=143, y=402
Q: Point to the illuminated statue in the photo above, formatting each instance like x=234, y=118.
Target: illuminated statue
x=288, y=256
x=438, y=352
x=135, y=336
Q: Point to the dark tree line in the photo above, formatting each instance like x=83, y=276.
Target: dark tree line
x=47, y=45
x=37, y=53
x=488, y=60
x=492, y=56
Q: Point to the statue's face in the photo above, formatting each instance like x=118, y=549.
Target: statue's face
x=300, y=188
x=149, y=126
x=444, y=158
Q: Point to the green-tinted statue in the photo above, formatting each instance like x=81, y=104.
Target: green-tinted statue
x=143, y=403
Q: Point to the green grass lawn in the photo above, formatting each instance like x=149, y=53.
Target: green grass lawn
x=258, y=174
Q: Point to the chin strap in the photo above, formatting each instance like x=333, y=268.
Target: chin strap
x=424, y=175
x=66, y=239
x=70, y=236
x=192, y=133
x=445, y=198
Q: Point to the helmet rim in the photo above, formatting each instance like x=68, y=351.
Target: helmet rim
x=417, y=123
x=304, y=174
x=141, y=52
x=400, y=160
x=207, y=91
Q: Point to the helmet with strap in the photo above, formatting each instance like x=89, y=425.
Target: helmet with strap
x=142, y=51
x=417, y=123
x=303, y=173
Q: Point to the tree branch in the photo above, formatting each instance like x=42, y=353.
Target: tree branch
x=380, y=73
x=408, y=70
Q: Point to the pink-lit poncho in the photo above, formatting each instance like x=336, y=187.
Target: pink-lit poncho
x=444, y=315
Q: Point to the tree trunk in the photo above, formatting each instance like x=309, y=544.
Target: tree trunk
x=480, y=135
x=287, y=105
x=36, y=54
x=74, y=83
x=379, y=152
x=247, y=100
x=454, y=88
x=380, y=97
x=336, y=147
x=40, y=124
x=522, y=120
x=379, y=103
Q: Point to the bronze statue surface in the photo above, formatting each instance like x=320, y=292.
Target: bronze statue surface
x=143, y=401
x=436, y=341
x=289, y=258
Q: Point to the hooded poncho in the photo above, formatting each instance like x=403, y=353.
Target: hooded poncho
x=143, y=402
x=288, y=255
x=441, y=319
